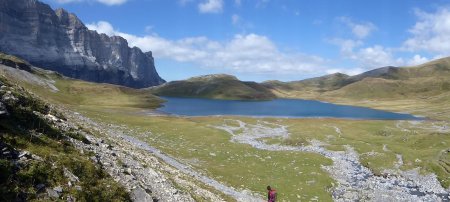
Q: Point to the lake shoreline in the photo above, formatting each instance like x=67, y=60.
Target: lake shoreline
x=277, y=108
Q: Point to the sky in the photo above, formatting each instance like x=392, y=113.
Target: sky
x=262, y=40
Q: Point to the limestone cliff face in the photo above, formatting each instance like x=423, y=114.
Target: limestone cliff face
x=59, y=41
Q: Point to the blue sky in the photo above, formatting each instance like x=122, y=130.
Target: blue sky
x=273, y=39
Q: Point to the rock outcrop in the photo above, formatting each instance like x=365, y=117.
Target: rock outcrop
x=57, y=40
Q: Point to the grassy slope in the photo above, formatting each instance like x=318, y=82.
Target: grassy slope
x=18, y=130
x=216, y=87
x=319, y=84
x=82, y=93
x=426, y=80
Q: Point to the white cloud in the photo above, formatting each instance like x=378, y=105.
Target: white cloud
x=107, y=2
x=211, y=6
x=112, y=2
x=346, y=45
x=431, y=32
x=237, y=2
x=235, y=19
x=372, y=56
x=262, y=3
x=241, y=23
x=359, y=30
x=184, y=2
x=102, y=27
x=417, y=60
x=368, y=57
x=376, y=56
x=250, y=53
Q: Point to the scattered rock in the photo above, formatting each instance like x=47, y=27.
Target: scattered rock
x=25, y=154
x=8, y=97
x=58, y=189
x=51, y=117
x=128, y=171
x=70, y=176
x=52, y=193
x=71, y=199
x=140, y=194
x=3, y=111
x=39, y=187
x=36, y=157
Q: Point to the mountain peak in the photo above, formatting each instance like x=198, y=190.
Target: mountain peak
x=69, y=19
x=58, y=40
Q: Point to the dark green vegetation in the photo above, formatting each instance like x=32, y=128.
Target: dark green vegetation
x=36, y=155
x=218, y=86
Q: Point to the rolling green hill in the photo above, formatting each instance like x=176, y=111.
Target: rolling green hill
x=423, y=81
x=429, y=79
x=38, y=161
x=320, y=84
x=218, y=86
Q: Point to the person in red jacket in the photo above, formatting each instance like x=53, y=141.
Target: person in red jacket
x=271, y=194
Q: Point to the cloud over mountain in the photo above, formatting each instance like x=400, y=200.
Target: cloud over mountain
x=242, y=53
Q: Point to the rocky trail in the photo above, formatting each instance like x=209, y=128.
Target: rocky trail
x=355, y=182
x=149, y=174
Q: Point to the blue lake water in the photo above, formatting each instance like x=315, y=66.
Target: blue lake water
x=295, y=108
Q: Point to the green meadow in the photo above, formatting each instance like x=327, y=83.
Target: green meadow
x=296, y=175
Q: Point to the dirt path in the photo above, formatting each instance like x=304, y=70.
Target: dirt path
x=355, y=182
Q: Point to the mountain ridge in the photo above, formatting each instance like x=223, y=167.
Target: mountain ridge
x=432, y=73
x=428, y=79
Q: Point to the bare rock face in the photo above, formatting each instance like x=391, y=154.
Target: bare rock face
x=59, y=41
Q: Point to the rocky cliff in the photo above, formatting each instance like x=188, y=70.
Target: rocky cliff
x=59, y=41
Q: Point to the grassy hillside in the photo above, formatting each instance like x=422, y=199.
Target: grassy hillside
x=432, y=76
x=429, y=79
x=318, y=84
x=57, y=88
x=37, y=159
x=218, y=86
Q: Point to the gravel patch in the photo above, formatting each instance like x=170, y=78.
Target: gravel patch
x=355, y=182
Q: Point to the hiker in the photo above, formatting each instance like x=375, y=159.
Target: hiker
x=271, y=194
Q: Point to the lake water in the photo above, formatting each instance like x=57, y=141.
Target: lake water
x=275, y=108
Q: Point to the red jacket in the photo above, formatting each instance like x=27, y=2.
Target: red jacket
x=272, y=195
